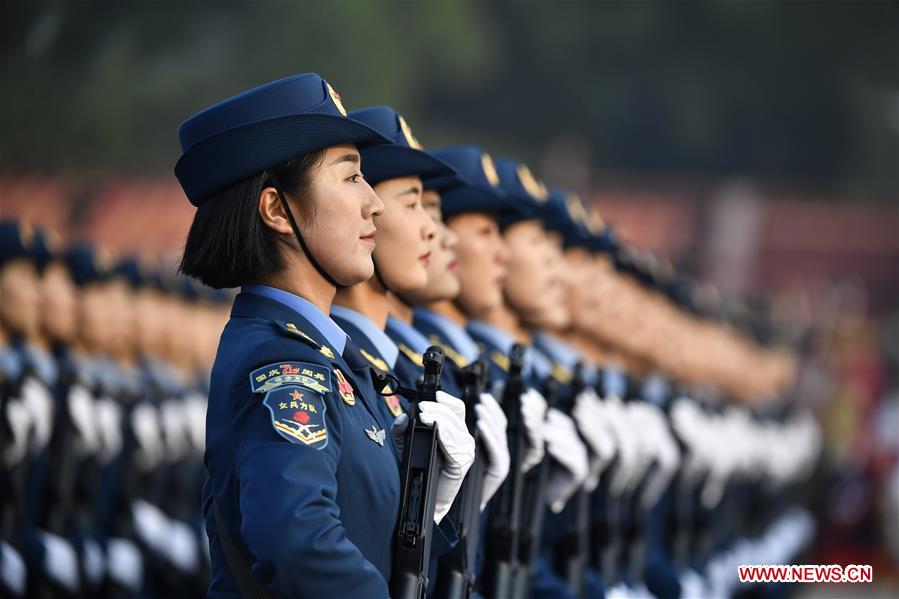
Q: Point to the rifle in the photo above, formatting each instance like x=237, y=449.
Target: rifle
x=456, y=576
x=502, y=540
x=576, y=544
x=420, y=470
x=532, y=509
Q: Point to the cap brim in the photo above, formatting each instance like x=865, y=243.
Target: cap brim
x=227, y=157
x=468, y=198
x=381, y=163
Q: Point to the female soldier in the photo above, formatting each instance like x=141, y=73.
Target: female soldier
x=406, y=235
x=302, y=494
x=510, y=229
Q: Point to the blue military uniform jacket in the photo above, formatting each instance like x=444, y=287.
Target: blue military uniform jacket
x=298, y=463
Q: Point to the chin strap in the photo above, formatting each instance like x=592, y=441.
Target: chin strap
x=296, y=230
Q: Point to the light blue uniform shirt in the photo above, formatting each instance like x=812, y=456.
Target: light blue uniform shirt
x=458, y=338
x=384, y=344
x=329, y=329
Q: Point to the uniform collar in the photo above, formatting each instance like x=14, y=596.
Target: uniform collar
x=542, y=366
x=378, y=338
x=557, y=350
x=496, y=337
x=404, y=333
x=333, y=334
x=503, y=342
x=41, y=361
x=456, y=335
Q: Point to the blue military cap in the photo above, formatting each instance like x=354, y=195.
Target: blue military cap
x=477, y=186
x=404, y=157
x=564, y=213
x=136, y=272
x=46, y=247
x=602, y=238
x=526, y=193
x=261, y=128
x=88, y=264
x=16, y=240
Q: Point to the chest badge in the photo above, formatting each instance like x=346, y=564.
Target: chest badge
x=393, y=402
x=375, y=434
x=345, y=388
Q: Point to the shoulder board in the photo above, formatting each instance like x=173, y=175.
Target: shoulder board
x=291, y=329
x=561, y=374
x=457, y=358
x=415, y=357
x=500, y=360
x=376, y=362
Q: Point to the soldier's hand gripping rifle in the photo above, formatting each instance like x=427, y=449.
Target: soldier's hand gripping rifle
x=503, y=531
x=419, y=475
x=456, y=571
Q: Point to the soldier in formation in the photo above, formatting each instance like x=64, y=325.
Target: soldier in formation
x=441, y=378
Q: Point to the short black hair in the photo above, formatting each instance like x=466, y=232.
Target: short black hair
x=228, y=244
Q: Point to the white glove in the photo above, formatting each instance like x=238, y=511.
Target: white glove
x=564, y=445
x=12, y=569
x=37, y=399
x=492, y=426
x=60, y=560
x=533, y=412
x=591, y=421
x=456, y=445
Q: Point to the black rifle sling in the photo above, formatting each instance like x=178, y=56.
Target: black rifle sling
x=249, y=587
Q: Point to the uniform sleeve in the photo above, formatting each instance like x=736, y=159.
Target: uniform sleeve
x=290, y=520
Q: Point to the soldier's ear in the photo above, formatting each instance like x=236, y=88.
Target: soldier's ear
x=271, y=211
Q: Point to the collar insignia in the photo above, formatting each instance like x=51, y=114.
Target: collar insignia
x=415, y=357
x=500, y=360
x=457, y=358
x=376, y=362
x=561, y=374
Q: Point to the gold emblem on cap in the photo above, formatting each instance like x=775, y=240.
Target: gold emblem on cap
x=595, y=222
x=335, y=97
x=407, y=133
x=531, y=185
x=103, y=259
x=489, y=169
x=26, y=233
x=576, y=209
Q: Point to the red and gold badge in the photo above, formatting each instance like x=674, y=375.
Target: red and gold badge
x=345, y=389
